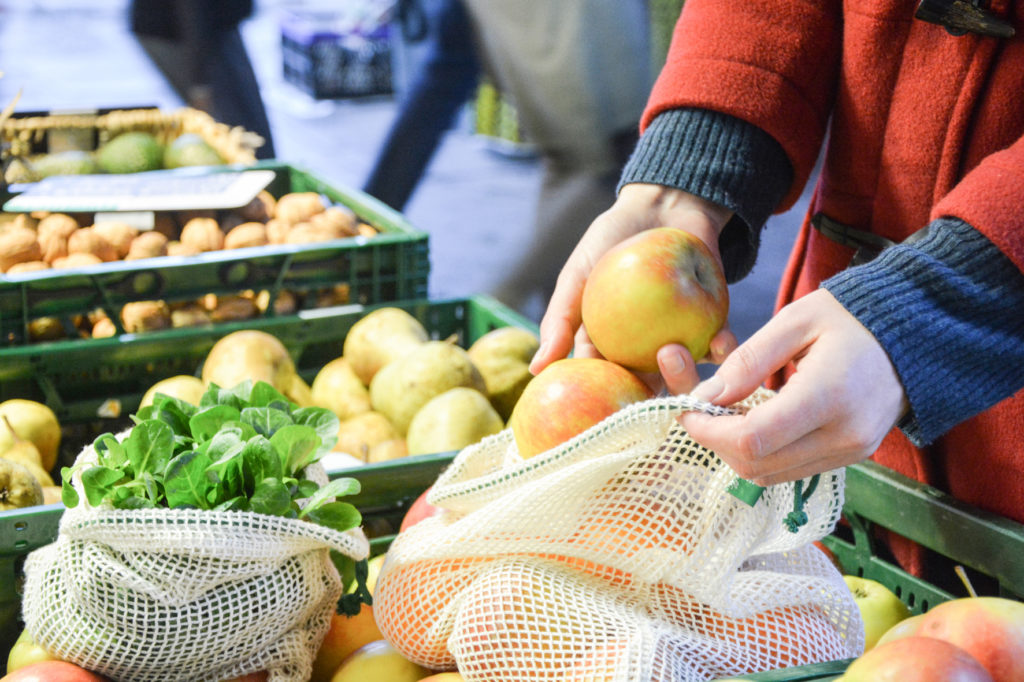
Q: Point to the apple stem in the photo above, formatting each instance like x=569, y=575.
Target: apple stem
x=962, y=574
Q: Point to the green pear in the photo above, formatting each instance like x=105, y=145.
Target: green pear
x=358, y=435
x=405, y=385
x=503, y=357
x=32, y=421
x=380, y=336
x=338, y=388
x=18, y=487
x=452, y=420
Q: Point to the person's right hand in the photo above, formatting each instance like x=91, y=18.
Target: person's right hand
x=638, y=207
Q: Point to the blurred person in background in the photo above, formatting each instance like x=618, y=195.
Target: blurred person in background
x=577, y=72
x=899, y=331
x=198, y=48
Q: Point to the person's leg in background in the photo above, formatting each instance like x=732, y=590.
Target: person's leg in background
x=441, y=86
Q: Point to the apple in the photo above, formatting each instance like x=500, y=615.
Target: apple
x=444, y=677
x=905, y=628
x=879, y=607
x=991, y=629
x=660, y=286
x=52, y=671
x=916, y=659
x=378, y=661
x=418, y=510
x=26, y=651
x=345, y=635
x=568, y=397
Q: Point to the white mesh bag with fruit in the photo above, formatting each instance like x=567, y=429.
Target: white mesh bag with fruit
x=623, y=553
x=196, y=545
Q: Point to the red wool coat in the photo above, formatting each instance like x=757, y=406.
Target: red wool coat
x=923, y=124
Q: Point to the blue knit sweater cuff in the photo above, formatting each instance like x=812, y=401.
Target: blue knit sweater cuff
x=721, y=159
x=947, y=310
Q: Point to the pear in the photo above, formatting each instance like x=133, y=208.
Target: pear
x=20, y=449
x=299, y=392
x=184, y=387
x=250, y=354
x=395, y=448
x=35, y=422
x=18, y=487
x=380, y=336
x=338, y=388
x=503, y=357
x=359, y=434
x=452, y=420
x=405, y=385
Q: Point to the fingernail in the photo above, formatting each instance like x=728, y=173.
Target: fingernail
x=541, y=352
x=708, y=390
x=673, y=363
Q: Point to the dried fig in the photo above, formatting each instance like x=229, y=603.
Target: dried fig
x=298, y=207
x=246, y=234
x=88, y=240
x=18, y=245
x=147, y=245
x=75, y=260
x=120, y=235
x=144, y=316
x=202, y=234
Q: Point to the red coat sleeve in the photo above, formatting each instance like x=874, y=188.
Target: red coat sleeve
x=989, y=199
x=772, y=63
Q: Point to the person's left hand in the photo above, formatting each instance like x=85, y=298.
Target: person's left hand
x=834, y=410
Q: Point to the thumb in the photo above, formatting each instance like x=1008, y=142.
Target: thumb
x=747, y=367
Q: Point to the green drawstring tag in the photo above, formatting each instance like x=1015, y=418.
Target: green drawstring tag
x=798, y=517
x=745, y=491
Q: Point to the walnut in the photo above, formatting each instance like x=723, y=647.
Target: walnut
x=147, y=245
x=234, y=308
x=18, y=245
x=88, y=240
x=178, y=249
x=28, y=266
x=260, y=209
x=144, y=316
x=120, y=235
x=202, y=234
x=298, y=207
x=307, y=233
x=338, y=218
x=246, y=234
x=277, y=231
x=75, y=260
x=103, y=328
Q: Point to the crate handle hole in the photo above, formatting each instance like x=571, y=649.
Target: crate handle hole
x=20, y=526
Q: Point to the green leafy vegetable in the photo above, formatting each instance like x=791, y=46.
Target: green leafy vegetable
x=242, y=449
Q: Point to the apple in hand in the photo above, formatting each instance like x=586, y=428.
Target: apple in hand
x=658, y=287
x=991, y=629
x=568, y=397
x=916, y=659
x=879, y=607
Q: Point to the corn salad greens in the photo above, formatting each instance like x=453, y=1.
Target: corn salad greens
x=241, y=449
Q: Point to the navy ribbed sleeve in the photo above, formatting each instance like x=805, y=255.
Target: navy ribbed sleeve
x=949, y=311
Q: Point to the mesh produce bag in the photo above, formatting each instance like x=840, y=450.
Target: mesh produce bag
x=620, y=555
x=186, y=595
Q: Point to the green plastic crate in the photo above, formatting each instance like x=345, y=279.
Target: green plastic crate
x=987, y=546
x=394, y=265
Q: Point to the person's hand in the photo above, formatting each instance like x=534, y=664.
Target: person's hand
x=638, y=207
x=834, y=410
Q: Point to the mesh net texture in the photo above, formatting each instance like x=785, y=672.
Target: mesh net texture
x=186, y=595
x=620, y=555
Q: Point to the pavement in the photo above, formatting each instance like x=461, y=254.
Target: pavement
x=475, y=202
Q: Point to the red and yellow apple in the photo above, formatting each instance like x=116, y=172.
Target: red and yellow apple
x=568, y=397
x=658, y=287
x=444, y=677
x=418, y=510
x=991, y=629
x=345, y=636
x=880, y=608
x=916, y=659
